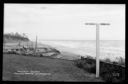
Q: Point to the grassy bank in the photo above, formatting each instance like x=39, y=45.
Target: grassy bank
x=59, y=69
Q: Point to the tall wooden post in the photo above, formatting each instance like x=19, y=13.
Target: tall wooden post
x=97, y=51
x=36, y=46
x=97, y=46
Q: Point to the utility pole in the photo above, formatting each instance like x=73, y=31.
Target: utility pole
x=97, y=46
x=36, y=46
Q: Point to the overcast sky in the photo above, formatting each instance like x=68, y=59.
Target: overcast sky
x=65, y=21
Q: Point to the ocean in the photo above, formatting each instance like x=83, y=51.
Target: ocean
x=112, y=49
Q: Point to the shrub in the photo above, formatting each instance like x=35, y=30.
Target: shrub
x=109, y=72
x=85, y=64
x=78, y=63
x=89, y=57
x=115, y=63
x=121, y=61
x=107, y=60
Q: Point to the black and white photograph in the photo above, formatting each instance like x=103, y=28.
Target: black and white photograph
x=64, y=42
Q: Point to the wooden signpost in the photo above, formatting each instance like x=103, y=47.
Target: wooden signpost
x=97, y=45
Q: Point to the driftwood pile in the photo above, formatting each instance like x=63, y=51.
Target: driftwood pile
x=31, y=51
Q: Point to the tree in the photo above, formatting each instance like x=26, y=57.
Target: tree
x=16, y=36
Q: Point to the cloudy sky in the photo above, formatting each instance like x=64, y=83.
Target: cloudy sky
x=65, y=21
